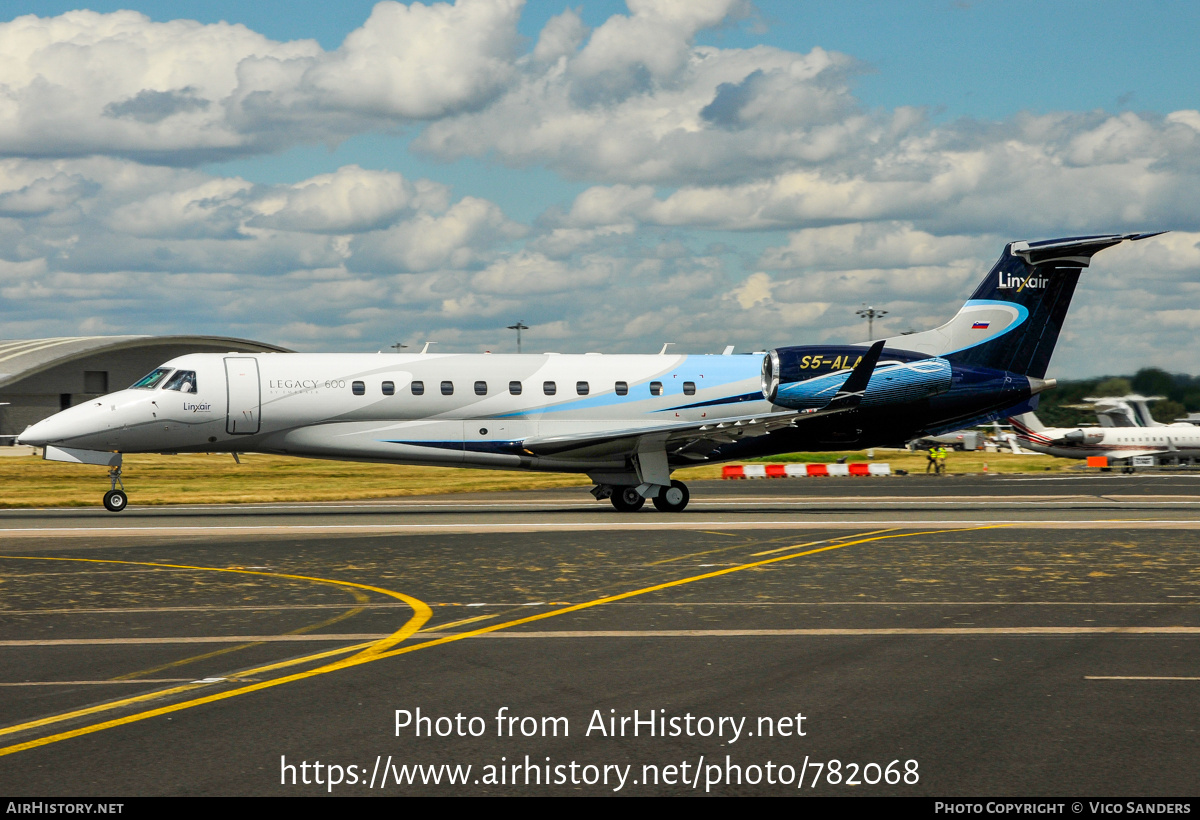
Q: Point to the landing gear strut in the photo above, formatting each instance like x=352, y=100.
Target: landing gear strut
x=115, y=500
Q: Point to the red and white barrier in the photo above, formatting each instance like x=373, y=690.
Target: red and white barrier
x=801, y=470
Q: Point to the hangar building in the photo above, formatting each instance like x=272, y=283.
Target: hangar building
x=39, y=377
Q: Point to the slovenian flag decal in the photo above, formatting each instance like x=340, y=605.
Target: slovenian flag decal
x=980, y=326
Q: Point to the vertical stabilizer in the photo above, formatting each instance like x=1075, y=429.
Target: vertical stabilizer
x=1013, y=319
x=1027, y=422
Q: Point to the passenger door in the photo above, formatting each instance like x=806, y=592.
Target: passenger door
x=241, y=378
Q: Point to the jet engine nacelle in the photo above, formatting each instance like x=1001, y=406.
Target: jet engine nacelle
x=809, y=376
x=1092, y=435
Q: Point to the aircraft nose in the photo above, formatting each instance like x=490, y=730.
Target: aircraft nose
x=42, y=433
x=61, y=428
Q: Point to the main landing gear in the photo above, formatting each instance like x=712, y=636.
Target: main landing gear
x=669, y=499
x=627, y=499
x=115, y=500
x=673, y=498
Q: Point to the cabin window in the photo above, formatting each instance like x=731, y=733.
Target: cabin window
x=689, y=388
x=549, y=388
x=184, y=381
x=389, y=388
x=655, y=388
x=418, y=388
x=622, y=388
x=480, y=388
x=447, y=388
x=151, y=379
x=514, y=388
x=359, y=388
x=582, y=388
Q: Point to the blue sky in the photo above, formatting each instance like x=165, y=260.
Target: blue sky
x=704, y=173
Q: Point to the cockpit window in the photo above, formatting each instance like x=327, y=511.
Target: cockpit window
x=184, y=381
x=151, y=379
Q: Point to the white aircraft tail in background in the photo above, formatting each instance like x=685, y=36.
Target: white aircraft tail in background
x=1125, y=411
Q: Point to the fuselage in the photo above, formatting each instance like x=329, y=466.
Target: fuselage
x=480, y=410
x=424, y=408
x=1115, y=443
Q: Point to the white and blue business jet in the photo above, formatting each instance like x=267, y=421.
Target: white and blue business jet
x=626, y=421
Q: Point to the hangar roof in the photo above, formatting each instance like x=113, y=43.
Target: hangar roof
x=20, y=358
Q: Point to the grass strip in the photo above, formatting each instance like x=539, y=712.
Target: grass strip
x=30, y=481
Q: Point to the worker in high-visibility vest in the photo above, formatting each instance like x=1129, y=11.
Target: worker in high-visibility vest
x=941, y=460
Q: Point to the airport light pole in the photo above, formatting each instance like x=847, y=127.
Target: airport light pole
x=519, y=326
x=398, y=347
x=870, y=314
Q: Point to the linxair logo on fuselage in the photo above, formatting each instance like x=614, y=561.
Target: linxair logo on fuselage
x=1033, y=281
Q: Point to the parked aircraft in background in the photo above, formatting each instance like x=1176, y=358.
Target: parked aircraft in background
x=626, y=421
x=958, y=440
x=1125, y=411
x=1118, y=444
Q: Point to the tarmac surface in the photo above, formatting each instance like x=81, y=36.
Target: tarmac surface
x=955, y=636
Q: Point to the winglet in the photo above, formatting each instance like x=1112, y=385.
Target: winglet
x=851, y=392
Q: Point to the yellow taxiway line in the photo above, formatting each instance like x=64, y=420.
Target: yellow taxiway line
x=378, y=650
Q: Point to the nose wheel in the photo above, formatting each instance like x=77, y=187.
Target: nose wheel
x=115, y=500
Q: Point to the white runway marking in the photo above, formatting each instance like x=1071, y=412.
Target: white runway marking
x=1135, y=677
x=506, y=604
x=94, y=682
x=571, y=503
x=1050, y=631
x=590, y=526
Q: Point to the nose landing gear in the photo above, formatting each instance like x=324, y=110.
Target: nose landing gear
x=115, y=500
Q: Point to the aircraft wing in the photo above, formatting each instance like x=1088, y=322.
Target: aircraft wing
x=680, y=432
x=697, y=437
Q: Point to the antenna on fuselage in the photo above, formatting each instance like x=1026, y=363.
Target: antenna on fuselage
x=663, y=352
x=425, y=349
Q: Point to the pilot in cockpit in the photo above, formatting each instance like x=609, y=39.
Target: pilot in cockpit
x=184, y=381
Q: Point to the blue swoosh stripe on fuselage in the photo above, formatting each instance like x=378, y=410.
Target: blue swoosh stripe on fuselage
x=755, y=396
x=725, y=373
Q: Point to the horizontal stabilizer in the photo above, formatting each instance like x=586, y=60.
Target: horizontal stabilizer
x=1073, y=250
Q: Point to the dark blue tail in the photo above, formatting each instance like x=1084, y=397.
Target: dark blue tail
x=1013, y=319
